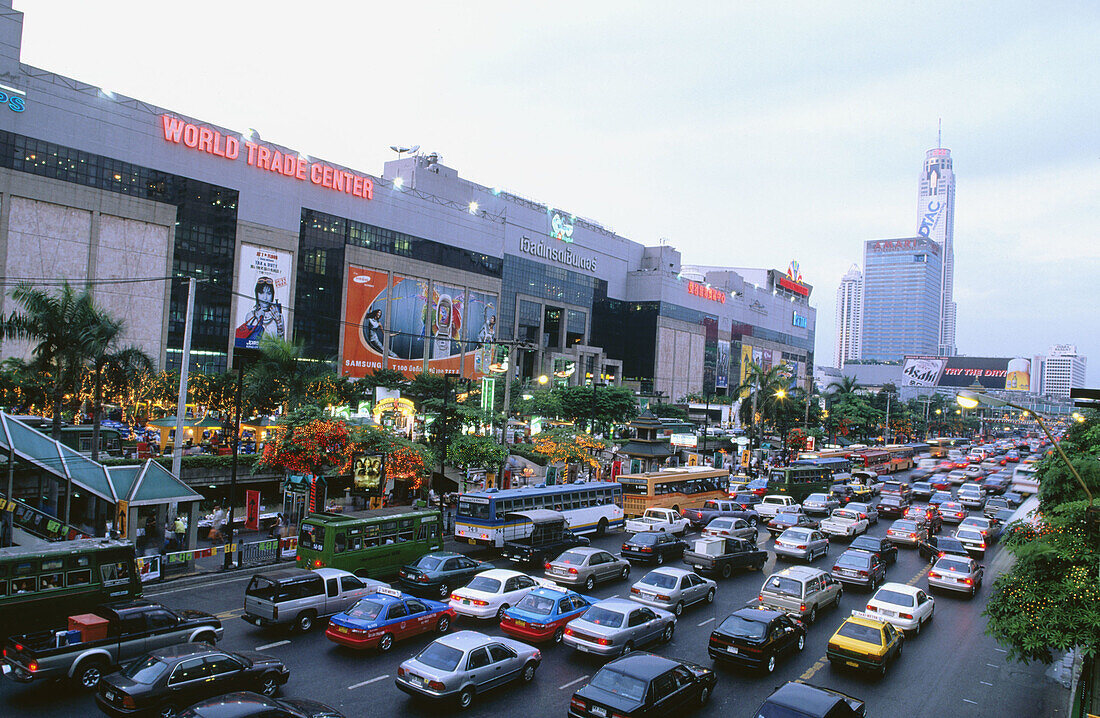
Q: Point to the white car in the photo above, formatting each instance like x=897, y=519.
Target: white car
x=490, y=593
x=844, y=522
x=658, y=520
x=905, y=607
x=729, y=527
x=771, y=504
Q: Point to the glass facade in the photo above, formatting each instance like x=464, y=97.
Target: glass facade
x=901, y=298
x=553, y=284
x=628, y=332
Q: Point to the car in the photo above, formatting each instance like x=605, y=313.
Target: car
x=843, y=493
x=920, y=491
x=243, y=704
x=955, y=573
x=490, y=593
x=644, y=684
x=298, y=597
x=652, y=547
x=971, y=497
x=996, y=484
x=859, y=568
x=773, y=504
x=953, y=512
x=802, y=543
x=878, y=545
x=672, y=589
x=865, y=641
x=865, y=510
x=892, y=507
x=659, y=519
x=747, y=500
x=844, y=523
x=387, y=616
x=436, y=573
x=758, y=487
x=973, y=540
x=1014, y=499
x=1012, y=456
x=973, y=472
x=861, y=492
x=797, y=699
x=542, y=614
x=939, y=546
x=756, y=638
x=905, y=607
x=790, y=518
x=958, y=477
x=940, y=483
x=940, y=497
x=897, y=488
x=730, y=527
x=945, y=466
x=987, y=528
x=800, y=591
x=466, y=664
x=616, y=626
x=925, y=515
x=720, y=556
x=905, y=531
x=921, y=474
x=170, y=678
x=713, y=508
x=1003, y=516
x=819, y=504
x=586, y=566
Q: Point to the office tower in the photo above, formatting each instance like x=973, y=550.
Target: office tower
x=849, y=317
x=901, y=298
x=936, y=221
x=1060, y=370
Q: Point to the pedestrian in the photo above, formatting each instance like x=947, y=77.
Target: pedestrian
x=179, y=528
x=217, y=524
x=277, y=528
x=929, y=532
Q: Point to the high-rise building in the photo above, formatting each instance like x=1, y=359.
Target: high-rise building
x=1060, y=370
x=901, y=298
x=849, y=317
x=936, y=221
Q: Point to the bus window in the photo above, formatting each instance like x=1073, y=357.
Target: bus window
x=22, y=569
x=312, y=536
x=80, y=562
x=115, y=573
x=340, y=543
x=53, y=564
x=50, y=581
x=80, y=578
x=405, y=530
x=355, y=543
x=388, y=532
x=3, y=587
x=23, y=585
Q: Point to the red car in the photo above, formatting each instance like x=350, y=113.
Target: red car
x=961, y=464
x=940, y=483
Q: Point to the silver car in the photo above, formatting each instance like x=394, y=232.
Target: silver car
x=616, y=626
x=729, y=527
x=673, y=588
x=866, y=509
x=802, y=543
x=956, y=573
x=586, y=566
x=820, y=504
x=465, y=664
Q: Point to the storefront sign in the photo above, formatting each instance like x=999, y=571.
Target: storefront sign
x=561, y=256
x=262, y=157
x=13, y=98
x=799, y=321
x=795, y=287
x=684, y=440
x=902, y=245
x=702, y=290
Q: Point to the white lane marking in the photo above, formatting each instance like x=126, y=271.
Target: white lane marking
x=706, y=622
x=573, y=682
x=991, y=665
x=372, y=680
x=276, y=644
x=985, y=683
x=967, y=700
x=1001, y=650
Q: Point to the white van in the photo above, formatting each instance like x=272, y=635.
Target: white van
x=928, y=464
x=1024, y=479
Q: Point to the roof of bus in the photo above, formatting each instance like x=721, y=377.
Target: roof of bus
x=676, y=472
x=388, y=512
x=538, y=490
x=821, y=460
x=62, y=547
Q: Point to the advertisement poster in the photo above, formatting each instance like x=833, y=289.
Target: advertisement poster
x=445, y=333
x=408, y=324
x=263, y=293
x=746, y=359
x=961, y=372
x=767, y=360
x=722, y=370
x=480, y=332
x=922, y=371
x=364, y=322
x=252, y=510
x=1019, y=375
x=367, y=473
x=758, y=357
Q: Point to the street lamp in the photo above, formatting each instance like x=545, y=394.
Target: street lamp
x=543, y=379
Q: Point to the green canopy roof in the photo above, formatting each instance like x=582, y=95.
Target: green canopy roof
x=169, y=422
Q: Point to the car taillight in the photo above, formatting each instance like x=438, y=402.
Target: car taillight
x=400, y=671
x=547, y=567
x=436, y=685
x=968, y=581
x=862, y=572
x=933, y=574
x=577, y=703
x=484, y=536
x=800, y=546
x=573, y=571
x=906, y=616
x=760, y=598
x=455, y=597
x=634, y=590
x=803, y=608
x=912, y=536
x=569, y=631
x=603, y=641
x=128, y=702
x=941, y=554
x=981, y=546
x=32, y=666
x=871, y=608
x=422, y=578
x=663, y=598
x=645, y=549
x=625, y=547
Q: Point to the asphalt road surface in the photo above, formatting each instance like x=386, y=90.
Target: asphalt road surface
x=951, y=669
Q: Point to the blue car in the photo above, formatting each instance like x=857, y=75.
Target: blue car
x=387, y=616
x=541, y=615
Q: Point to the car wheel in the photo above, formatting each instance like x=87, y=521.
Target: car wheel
x=625, y=573
x=660, y=558
x=269, y=686
x=444, y=591
x=704, y=695
x=558, y=634
x=500, y=611
x=304, y=622
x=770, y=665
x=465, y=698
x=167, y=711
x=678, y=609
x=801, y=642
x=753, y=522
x=727, y=570
x=628, y=647
x=589, y=583
x=601, y=527
x=760, y=565
x=444, y=624
x=710, y=596
x=667, y=635
x=528, y=674
x=812, y=615
x=385, y=643
x=916, y=631
x=88, y=674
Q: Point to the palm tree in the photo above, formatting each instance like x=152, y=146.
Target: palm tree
x=120, y=369
x=762, y=390
x=845, y=387
x=281, y=375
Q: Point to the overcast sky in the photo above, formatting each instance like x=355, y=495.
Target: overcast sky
x=748, y=134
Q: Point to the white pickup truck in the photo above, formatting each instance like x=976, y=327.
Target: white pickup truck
x=772, y=504
x=844, y=522
x=658, y=520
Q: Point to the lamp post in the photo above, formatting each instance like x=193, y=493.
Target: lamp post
x=781, y=394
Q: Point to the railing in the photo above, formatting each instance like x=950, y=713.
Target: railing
x=39, y=523
x=249, y=554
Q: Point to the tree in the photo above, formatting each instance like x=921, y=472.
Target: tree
x=306, y=442
x=769, y=387
x=539, y=403
x=670, y=411
x=281, y=376
x=612, y=404
x=476, y=451
x=120, y=368
x=564, y=446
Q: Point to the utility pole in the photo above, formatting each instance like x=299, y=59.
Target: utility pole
x=886, y=433
x=233, y=466
x=181, y=399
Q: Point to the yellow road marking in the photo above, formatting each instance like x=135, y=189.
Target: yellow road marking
x=919, y=576
x=229, y=614
x=814, y=668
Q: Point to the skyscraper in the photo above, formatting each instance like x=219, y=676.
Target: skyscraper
x=901, y=298
x=936, y=221
x=1060, y=370
x=849, y=316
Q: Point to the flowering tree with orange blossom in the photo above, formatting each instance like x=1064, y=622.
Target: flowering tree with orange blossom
x=567, y=447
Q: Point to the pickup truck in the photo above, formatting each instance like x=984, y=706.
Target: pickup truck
x=720, y=556
x=771, y=504
x=846, y=523
x=123, y=631
x=542, y=545
x=658, y=520
x=720, y=508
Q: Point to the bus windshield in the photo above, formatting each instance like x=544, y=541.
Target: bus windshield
x=473, y=509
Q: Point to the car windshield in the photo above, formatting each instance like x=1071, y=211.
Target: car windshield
x=817, y=498
x=795, y=535
x=644, y=539
x=484, y=583
x=710, y=505
x=948, y=564
x=620, y=684
x=867, y=543
x=787, y=515
x=737, y=626
x=852, y=559
x=860, y=632
x=783, y=585
x=574, y=558
x=845, y=514
x=969, y=536
x=922, y=485
x=904, y=526
x=1005, y=514
x=719, y=524
x=660, y=580
x=603, y=617
x=895, y=597
x=536, y=604
x=428, y=563
x=745, y=498
x=891, y=500
x=365, y=610
x=145, y=670
x=440, y=656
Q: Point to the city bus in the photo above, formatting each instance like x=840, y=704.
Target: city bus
x=685, y=487
x=40, y=585
x=588, y=507
x=941, y=445
x=877, y=460
x=901, y=457
x=920, y=449
x=839, y=467
x=800, y=480
x=370, y=544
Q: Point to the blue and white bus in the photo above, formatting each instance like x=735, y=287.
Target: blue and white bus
x=590, y=507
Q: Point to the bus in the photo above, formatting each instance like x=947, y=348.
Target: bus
x=877, y=460
x=901, y=457
x=920, y=449
x=685, y=487
x=591, y=506
x=840, y=468
x=825, y=454
x=940, y=445
x=800, y=480
x=370, y=544
x=41, y=585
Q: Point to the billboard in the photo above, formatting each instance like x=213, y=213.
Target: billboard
x=408, y=300
x=480, y=332
x=364, y=322
x=746, y=359
x=961, y=372
x=263, y=292
x=448, y=304
x=722, y=370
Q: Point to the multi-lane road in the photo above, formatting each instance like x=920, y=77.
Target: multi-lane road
x=952, y=668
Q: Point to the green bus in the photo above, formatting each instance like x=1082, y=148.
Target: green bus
x=370, y=544
x=42, y=585
x=799, y=481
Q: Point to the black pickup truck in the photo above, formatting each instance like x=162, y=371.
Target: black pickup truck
x=721, y=555
x=539, y=535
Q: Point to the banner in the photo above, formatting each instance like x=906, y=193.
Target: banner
x=1019, y=375
x=364, y=322
x=122, y=519
x=722, y=370
x=480, y=332
x=252, y=510
x=746, y=359
x=448, y=303
x=488, y=393
x=961, y=372
x=263, y=293
x=408, y=324
x=767, y=358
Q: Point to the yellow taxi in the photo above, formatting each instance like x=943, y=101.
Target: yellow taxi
x=865, y=641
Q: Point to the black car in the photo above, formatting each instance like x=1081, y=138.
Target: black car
x=804, y=700
x=644, y=684
x=995, y=484
x=860, y=568
x=878, y=545
x=254, y=705
x=921, y=490
x=788, y=519
x=892, y=507
x=756, y=638
x=652, y=547
x=842, y=493
x=747, y=500
x=435, y=574
x=937, y=546
x=167, y=679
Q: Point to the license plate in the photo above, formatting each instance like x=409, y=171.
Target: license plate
x=521, y=623
x=649, y=596
x=731, y=649
x=110, y=695
x=341, y=629
x=466, y=601
x=473, y=542
x=559, y=571
x=853, y=664
x=597, y=711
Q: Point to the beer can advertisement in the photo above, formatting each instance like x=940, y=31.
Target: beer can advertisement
x=922, y=371
x=961, y=372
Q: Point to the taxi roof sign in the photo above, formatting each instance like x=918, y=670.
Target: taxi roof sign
x=867, y=616
x=387, y=591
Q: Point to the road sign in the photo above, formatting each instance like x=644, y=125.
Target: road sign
x=1085, y=398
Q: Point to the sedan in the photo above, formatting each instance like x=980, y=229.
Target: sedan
x=465, y=664
x=939, y=498
x=729, y=527
x=986, y=527
x=542, y=614
x=944, y=466
x=438, y=572
x=940, y=546
x=1014, y=499
x=652, y=547
x=953, y=512
x=802, y=543
x=491, y=592
x=616, y=626
x=925, y=516
x=974, y=498
x=955, y=573
x=973, y=540
x=922, y=490
x=756, y=638
x=244, y=704
x=907, y=608
x=881, y=547
x=798, y=698
x=974, y=473
x=671, y=589
x=865, y=510
x=859, y=568
x=905, y=531
x=790, y=519
x=958, y=477
x=643, y=684
x=819, y=504
x=585, y=567
x=892, y=507
x=166, y=680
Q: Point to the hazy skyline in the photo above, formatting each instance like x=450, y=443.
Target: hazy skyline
x=748, y=135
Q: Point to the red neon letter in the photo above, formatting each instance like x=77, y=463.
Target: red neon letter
x=190, y=135
x=264, y=159
x=232, y=148
x=206, y=139
x=315, y=174
x=251, y=147
x=303, y=168
x=173, y=128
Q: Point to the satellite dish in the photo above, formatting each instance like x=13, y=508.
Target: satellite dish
x=401, y=149
x=414, y=148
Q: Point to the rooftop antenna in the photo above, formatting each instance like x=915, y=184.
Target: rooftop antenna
x=939, y=135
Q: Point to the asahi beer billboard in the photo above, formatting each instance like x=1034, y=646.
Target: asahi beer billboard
x=960, y=372
x=263, y=293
